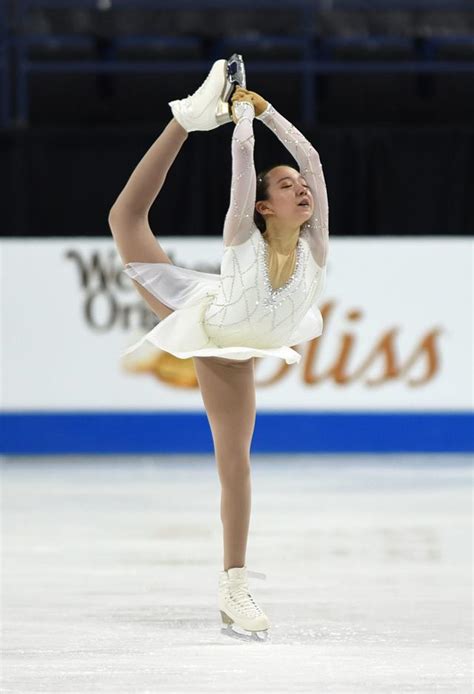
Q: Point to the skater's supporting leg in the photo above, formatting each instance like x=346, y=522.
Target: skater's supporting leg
x=128, y=217
x=228, y=392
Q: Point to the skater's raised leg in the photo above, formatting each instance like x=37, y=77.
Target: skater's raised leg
x=206, y=109
x=128, y=217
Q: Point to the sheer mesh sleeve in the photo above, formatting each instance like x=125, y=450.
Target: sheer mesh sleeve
x=310, y=167
x=238, y=223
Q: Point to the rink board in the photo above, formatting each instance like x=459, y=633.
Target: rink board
x=391, y=371
x=128, y=433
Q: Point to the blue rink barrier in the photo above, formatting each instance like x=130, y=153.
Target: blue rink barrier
x=34, y=433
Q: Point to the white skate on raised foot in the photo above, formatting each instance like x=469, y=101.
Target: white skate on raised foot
x=242, y=617
x=208, y=107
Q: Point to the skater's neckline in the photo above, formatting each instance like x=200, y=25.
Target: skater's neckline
x=277, y=290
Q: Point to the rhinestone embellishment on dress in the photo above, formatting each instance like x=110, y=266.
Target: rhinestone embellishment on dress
x=275, y=297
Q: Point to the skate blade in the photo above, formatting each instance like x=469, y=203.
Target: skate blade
x=236, y=632
x=258, y=636
x=236, y=70
x=235, y=77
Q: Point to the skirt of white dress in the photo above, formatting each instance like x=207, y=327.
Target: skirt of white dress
x=188, y=293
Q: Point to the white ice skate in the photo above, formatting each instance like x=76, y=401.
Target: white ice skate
x=209, y=106
x=242, y=617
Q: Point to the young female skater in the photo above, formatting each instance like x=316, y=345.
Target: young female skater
x=263, y=301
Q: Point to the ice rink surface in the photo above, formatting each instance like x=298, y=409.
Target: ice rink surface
x=110, y=569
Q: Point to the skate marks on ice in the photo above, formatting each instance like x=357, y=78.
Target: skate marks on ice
x=110, y=570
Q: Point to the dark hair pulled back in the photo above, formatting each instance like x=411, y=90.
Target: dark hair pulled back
x=262, y=194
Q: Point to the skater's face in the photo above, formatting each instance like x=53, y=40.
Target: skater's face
x=289, y=198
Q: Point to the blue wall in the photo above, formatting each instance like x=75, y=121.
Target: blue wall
x=33, y=433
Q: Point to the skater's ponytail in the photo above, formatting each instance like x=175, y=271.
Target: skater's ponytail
x=262, y=194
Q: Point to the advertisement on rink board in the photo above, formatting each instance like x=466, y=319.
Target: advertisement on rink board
x=397, y=330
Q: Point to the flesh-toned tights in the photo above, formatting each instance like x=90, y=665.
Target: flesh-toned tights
x=227, y=386
x=228, y=392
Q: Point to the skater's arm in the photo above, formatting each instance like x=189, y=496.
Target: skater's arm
x=310, y=167
x=238, y=223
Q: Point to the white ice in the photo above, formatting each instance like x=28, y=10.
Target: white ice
x=110, y=569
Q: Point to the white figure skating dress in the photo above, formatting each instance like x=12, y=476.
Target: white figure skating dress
x=237, y=314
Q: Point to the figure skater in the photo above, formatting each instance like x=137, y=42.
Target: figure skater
x=263, y=302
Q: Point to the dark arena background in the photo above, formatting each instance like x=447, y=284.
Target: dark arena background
x=361, y=455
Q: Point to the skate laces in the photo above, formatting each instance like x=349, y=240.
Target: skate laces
x=240, y=595
x=242, y=599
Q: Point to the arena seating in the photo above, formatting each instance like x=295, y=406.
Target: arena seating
x=301, y=40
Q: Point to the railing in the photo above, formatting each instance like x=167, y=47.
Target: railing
x=4, y=67
x=317, y=5
x=314, y=55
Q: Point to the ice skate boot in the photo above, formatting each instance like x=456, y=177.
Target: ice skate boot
x=209, y=107
x=241, y=616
